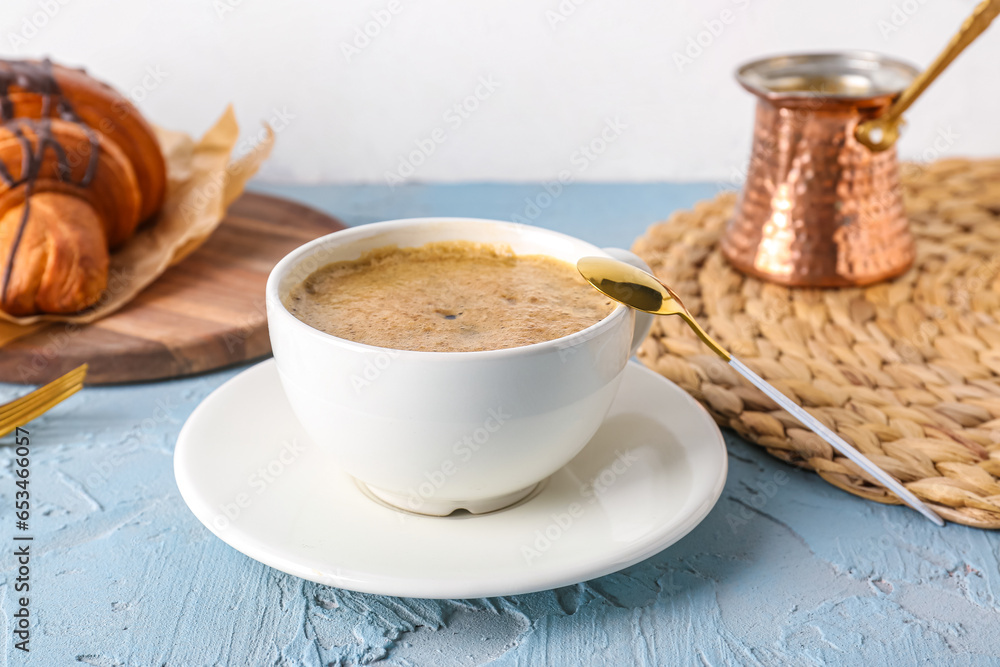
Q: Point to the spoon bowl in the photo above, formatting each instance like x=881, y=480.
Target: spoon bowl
x=640, y=290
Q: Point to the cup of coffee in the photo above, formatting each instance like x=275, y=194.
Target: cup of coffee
x=448, y=363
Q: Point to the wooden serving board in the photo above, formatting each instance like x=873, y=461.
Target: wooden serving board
x=205, y=313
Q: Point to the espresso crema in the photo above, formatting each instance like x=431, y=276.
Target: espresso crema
x=450, y=296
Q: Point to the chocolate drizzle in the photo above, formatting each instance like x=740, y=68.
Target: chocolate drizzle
x=37, y=77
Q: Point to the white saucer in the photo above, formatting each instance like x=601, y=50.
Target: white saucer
x=251, y=475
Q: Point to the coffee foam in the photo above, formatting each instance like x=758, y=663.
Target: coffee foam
x=450, y=296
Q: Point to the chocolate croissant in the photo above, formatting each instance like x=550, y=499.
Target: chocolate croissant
x=80, y=169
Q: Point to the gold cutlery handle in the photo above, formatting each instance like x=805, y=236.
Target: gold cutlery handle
x=703, y=335
x=880, y=133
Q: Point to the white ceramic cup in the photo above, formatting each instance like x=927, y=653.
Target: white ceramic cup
x=432, y=432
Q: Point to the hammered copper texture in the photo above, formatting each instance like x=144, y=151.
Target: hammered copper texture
x=907, y=371
x=818, y=208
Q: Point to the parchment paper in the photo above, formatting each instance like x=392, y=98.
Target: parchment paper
x=201, y=183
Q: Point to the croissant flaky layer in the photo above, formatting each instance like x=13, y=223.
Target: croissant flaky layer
x=80, y=169
x=62, y=258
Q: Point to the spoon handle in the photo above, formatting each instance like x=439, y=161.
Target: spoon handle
x=972, y=28
x=835, y=441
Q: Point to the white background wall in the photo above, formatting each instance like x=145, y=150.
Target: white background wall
x=561, y=69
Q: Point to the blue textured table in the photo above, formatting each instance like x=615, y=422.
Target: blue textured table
x=785, y=570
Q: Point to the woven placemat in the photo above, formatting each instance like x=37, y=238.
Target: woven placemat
x=907, y=371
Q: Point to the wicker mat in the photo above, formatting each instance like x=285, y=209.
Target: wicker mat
x=907, y=371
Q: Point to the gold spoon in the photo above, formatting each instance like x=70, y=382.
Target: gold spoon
x=638, y=289
x=881, y=133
